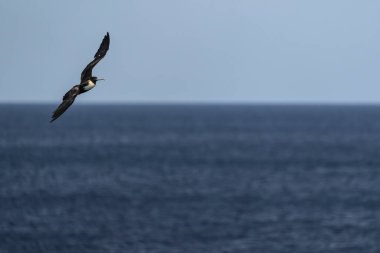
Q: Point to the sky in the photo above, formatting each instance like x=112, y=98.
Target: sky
x=194, y=51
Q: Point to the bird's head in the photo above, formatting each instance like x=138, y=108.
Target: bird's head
x=94, y=79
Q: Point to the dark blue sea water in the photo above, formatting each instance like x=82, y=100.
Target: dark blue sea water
x=297, y=179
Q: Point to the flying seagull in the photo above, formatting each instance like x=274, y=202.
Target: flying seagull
x=87, y=81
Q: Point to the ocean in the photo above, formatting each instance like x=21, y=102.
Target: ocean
x=190, y=178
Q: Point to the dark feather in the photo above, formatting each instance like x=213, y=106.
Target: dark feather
x=67, y=100
x=102, y=51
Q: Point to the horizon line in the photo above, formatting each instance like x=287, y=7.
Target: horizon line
x=200, y=103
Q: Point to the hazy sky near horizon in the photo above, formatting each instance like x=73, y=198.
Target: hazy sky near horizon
x=271, y=51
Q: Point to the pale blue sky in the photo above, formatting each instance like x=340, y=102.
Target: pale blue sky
x=193, y=51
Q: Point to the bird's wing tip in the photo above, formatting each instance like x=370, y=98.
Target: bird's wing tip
x=53, y=118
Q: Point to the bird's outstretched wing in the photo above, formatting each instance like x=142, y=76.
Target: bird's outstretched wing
x=67, y=100
x=87, y=72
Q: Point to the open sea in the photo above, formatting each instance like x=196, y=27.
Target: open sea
x=190, y=178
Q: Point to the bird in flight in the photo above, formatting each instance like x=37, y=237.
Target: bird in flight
x=87, y=80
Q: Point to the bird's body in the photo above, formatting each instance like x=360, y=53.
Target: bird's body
x=87, y=86
x=87, y=83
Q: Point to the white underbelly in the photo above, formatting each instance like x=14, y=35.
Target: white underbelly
x=89, y=86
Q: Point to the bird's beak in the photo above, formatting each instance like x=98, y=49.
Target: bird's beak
x=99, y=79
